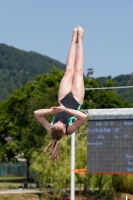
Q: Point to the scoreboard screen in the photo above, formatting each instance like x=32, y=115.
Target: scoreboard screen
x=110, y=146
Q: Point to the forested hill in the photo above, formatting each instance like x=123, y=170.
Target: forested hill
x=18, y=67
x=121, y=80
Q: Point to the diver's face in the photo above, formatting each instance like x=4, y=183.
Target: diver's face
x=61, y=125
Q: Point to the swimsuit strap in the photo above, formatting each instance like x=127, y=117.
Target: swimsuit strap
x=66, y=128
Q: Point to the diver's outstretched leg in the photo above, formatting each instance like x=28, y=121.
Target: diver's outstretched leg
x=78, y=82
x=66, y=82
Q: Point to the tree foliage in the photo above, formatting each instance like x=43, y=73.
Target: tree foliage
x=121, y=80
x=29, y=138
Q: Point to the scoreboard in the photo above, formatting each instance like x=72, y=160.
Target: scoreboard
x=110, y=146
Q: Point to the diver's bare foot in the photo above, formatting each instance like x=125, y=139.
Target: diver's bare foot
x=75, y=35
x=80, y=33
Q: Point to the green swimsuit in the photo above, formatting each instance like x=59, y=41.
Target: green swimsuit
x=69, y=102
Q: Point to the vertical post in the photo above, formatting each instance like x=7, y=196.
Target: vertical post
x=72, y=166
x=126, y=197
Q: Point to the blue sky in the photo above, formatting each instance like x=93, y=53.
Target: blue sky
x=45, y=26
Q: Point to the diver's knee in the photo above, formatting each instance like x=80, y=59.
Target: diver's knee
x=69, y=69
x=78, y=70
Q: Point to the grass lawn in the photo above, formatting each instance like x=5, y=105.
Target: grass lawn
x=20, y=197
x=48, y=197
x=13, y=182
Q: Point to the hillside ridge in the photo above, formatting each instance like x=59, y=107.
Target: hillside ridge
x=17, y=67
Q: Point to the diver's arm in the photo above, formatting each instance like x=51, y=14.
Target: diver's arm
x=81, y=117
x=39, y=115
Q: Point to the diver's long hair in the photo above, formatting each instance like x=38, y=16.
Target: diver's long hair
x=57, y=134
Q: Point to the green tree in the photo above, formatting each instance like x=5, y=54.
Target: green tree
x=19, y=119
x=29, y=137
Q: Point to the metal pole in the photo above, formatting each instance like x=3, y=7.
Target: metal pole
x=108, y=88
x=72, y=166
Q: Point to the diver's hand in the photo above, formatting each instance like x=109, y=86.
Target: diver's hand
x=59, y=108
